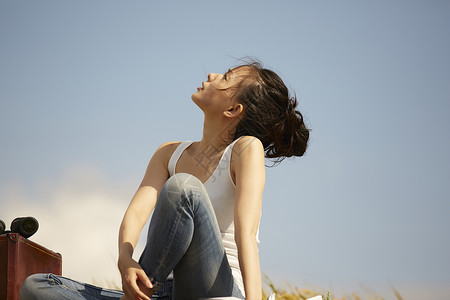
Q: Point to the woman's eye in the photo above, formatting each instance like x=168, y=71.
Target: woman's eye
x=225, y=75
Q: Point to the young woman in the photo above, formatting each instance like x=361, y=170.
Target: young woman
x=205, y=196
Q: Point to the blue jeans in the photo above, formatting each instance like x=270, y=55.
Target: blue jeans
x=183, y=237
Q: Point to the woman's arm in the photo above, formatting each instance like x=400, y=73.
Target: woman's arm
x=135, y=218
x=249, y=168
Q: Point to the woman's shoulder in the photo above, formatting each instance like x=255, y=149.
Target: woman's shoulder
x=166, y=150
x=169, y=145
x=247, y=151
x=248, y=158
x=248, y=144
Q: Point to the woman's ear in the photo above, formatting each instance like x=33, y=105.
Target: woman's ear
x=234, y=111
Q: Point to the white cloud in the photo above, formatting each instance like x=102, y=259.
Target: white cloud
x=79, y=216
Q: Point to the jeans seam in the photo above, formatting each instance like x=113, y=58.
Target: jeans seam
x=171, y=238
x=73, y=290
x=56, y=281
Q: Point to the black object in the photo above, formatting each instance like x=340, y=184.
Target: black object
x=25, y=226
x=2, y=227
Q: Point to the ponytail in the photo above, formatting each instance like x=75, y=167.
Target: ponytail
x=271, y=115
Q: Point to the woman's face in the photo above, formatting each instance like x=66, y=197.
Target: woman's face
x=216, y=94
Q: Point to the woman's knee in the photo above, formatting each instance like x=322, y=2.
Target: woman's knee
x=32, y=285
x=181, y=182
x=182, y=186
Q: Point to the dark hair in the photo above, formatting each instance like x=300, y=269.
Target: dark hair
x=270, y=114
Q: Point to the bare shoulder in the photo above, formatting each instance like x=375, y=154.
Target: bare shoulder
x=163, y=153
x=248, y=154
x=157, y=169
x=167, y=149
x=248, y=146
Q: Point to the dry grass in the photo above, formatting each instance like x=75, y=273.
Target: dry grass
x=295, y=293
x=290, y=293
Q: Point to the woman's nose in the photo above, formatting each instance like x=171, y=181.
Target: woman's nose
x=212, y=76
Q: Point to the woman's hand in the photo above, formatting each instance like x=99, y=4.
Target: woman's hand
x=135, y=283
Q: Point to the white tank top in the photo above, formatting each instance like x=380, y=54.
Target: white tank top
x=221, y=191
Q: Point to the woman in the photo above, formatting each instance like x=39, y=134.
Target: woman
x=206, y=196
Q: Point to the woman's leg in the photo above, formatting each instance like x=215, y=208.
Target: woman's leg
x=184, y=237
x=52, y=287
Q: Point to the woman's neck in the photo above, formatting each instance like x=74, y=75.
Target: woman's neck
x=217, y=135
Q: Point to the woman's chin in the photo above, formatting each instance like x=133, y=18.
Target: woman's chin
x=195, y=98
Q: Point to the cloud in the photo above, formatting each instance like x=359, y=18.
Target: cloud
x=79, y=215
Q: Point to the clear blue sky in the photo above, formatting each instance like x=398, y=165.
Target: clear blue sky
x=89, y=89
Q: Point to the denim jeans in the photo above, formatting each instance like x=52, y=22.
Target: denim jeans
x=52, y=287
x=183, y=237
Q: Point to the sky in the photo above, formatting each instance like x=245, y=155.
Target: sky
x=90, y=89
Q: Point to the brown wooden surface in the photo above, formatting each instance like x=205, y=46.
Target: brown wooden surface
x=20, y=258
